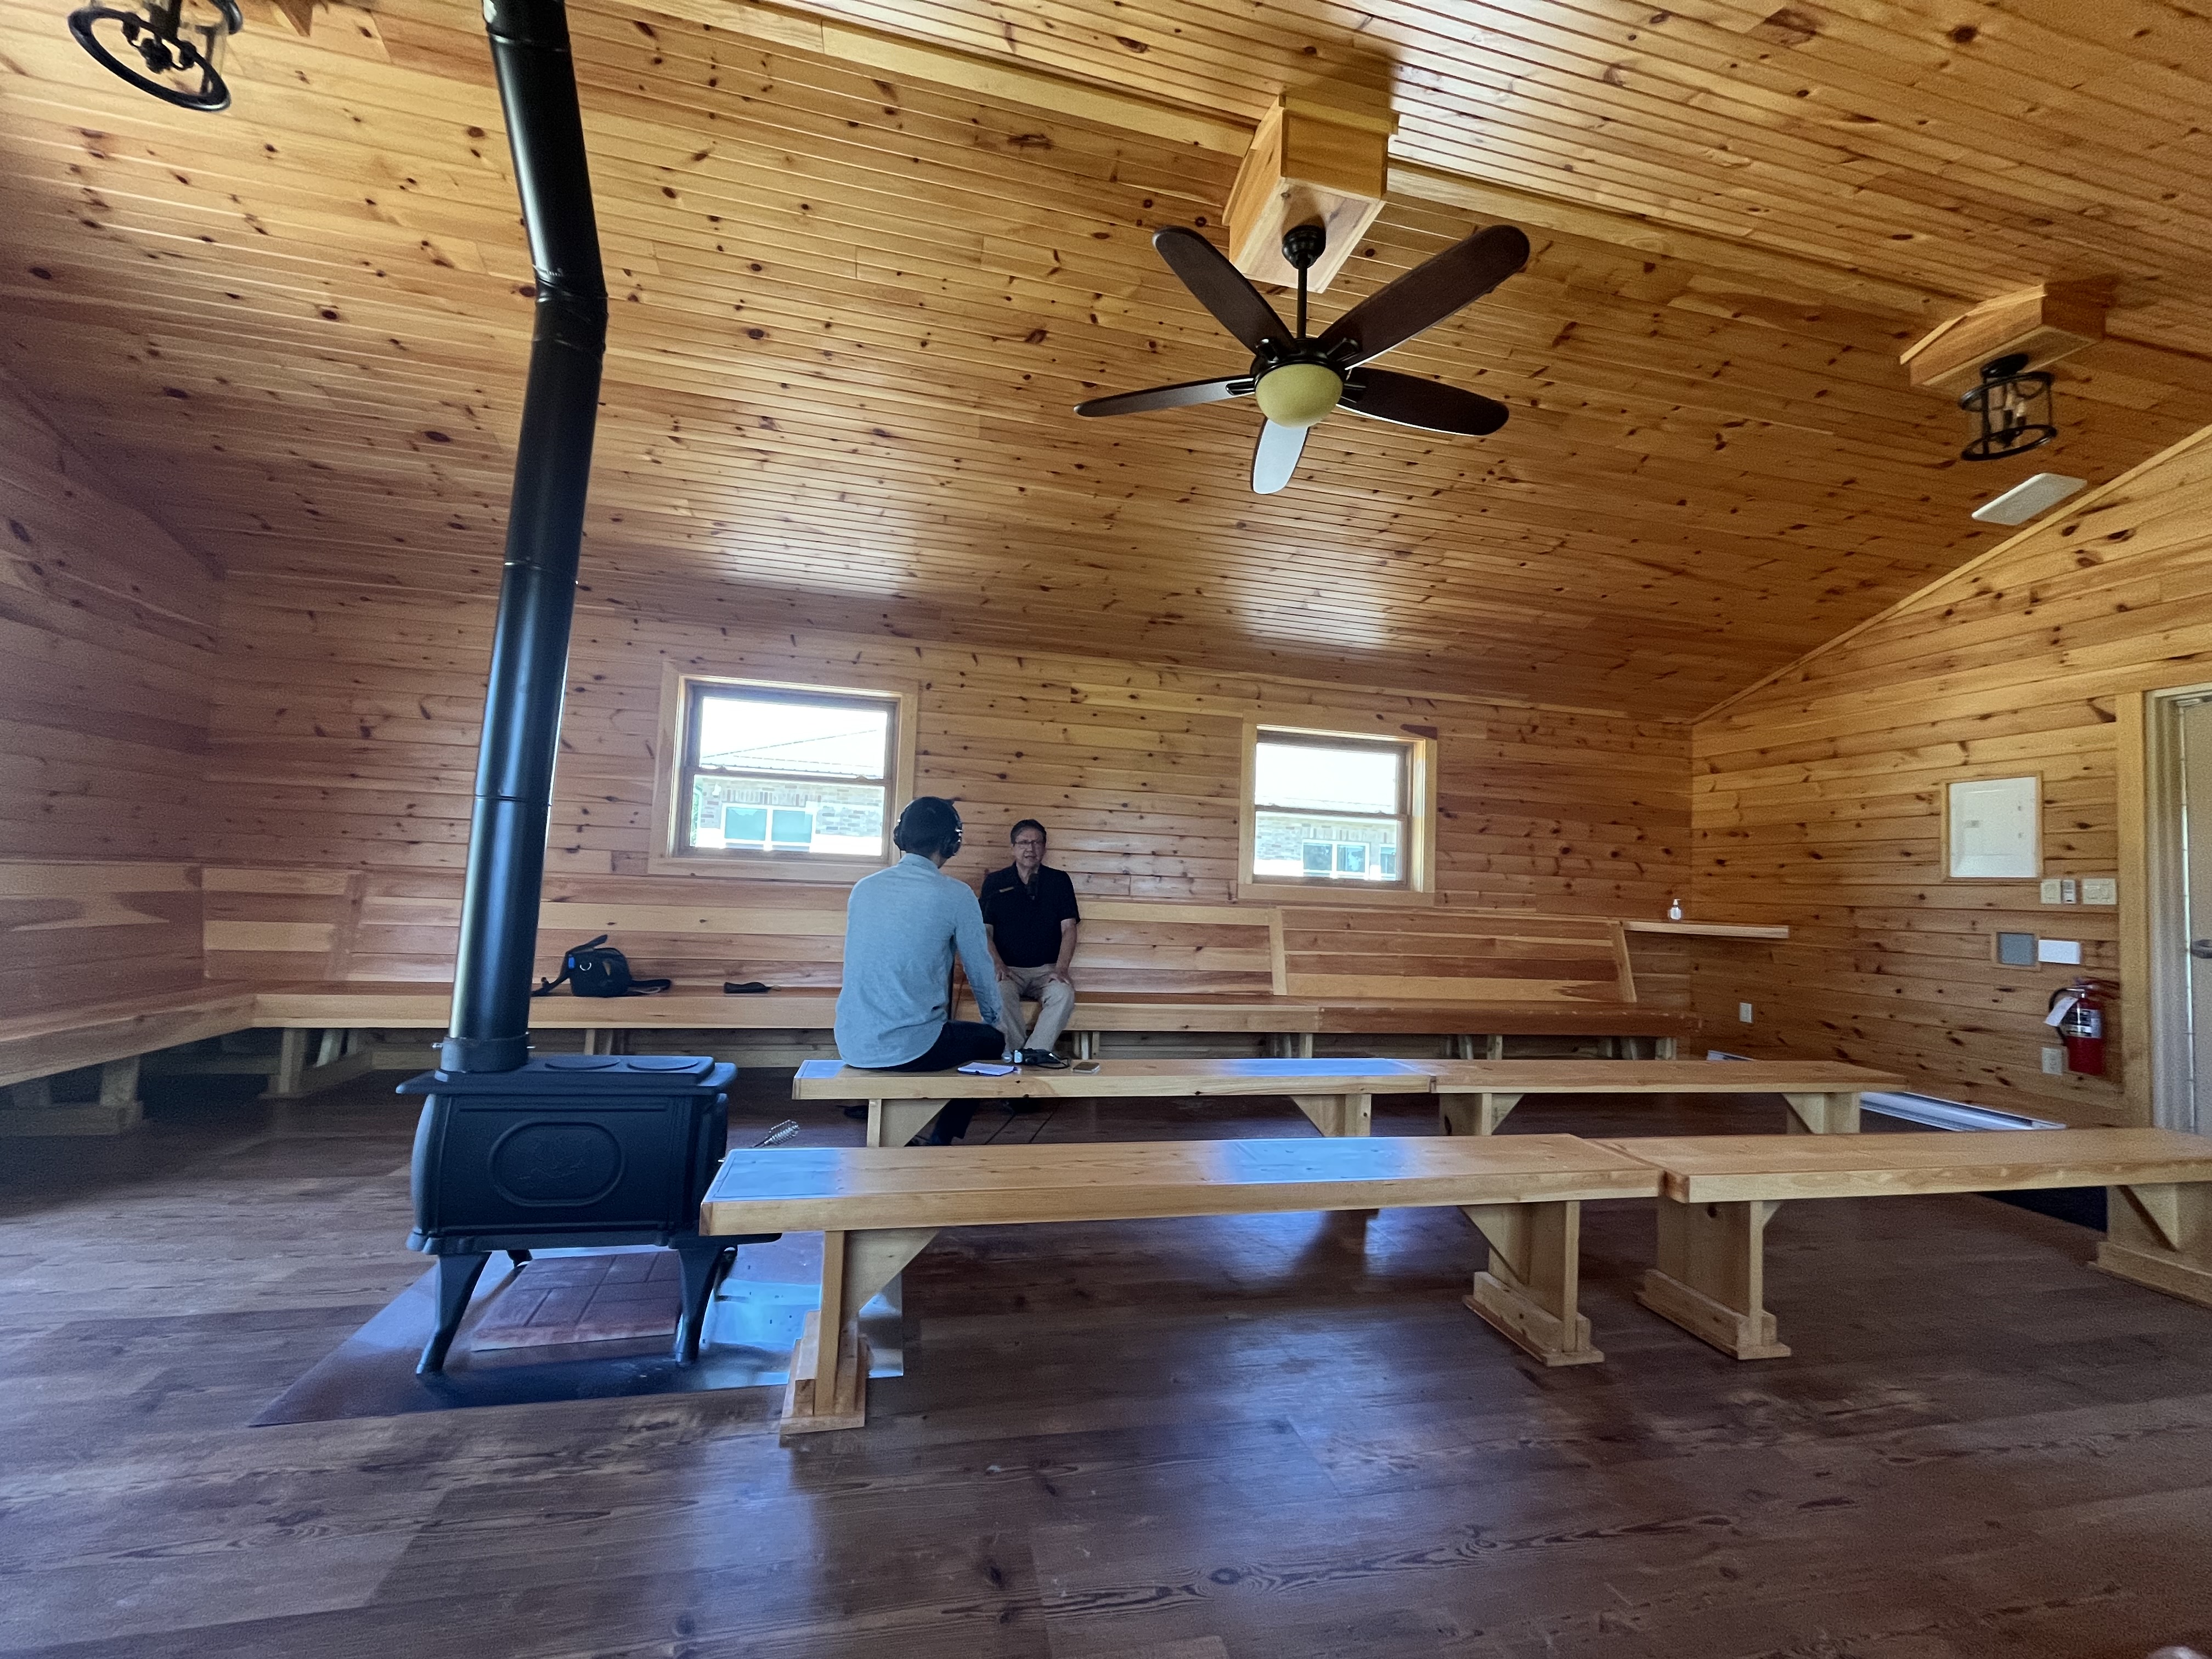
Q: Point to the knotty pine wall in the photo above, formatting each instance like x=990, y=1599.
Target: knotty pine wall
x=1818, y=798
x=344, y=734
x=107, y=637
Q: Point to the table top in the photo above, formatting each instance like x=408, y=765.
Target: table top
x=1731, y=1168
x=831, y=1079
x=801, y=1189
x=1652, y=1077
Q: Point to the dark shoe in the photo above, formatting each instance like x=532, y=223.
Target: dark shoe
x=1044, y=1059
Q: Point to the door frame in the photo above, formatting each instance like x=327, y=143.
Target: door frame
x=2154, y=1025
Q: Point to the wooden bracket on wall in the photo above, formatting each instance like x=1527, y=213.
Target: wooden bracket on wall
x=1311, y=162
x=2044, y=322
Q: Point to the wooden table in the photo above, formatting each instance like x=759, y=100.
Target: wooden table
x=1823, y=1095
x=1337, y=1094
x=878, y=1206
x=1718, y=1191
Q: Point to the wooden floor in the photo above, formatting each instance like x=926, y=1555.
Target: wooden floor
x=1272, y=1437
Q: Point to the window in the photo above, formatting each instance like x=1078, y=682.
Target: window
x=781, y=774
x=1333, y=812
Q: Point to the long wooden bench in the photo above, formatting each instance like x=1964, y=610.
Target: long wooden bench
x=1718, y=1193
x=1823, y=1095
x=112, y=1036
x=1337, y=1094
x=340, y=950
x=879, y=1206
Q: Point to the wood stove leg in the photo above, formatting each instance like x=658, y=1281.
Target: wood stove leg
x=829, y=1386
x=457, y=1282
x=700, y=1262
x=1712, y=1276
x=1530, y=1291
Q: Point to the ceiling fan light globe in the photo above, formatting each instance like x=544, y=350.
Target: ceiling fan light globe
x=1299, y=394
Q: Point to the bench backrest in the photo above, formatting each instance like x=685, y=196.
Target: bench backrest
x=850, y=1188
x=290, y=925
x=1335, y=952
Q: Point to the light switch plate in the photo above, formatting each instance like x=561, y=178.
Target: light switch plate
x=2100, y=890
x=2069, y=890
x=2050, y=889
x=2054, y=1061
x=1743, y=1012
x=2066, y=950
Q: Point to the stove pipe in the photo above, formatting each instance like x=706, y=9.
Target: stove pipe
x=530, y=55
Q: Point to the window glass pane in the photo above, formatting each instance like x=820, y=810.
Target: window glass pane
x=1316, y=778
x=771, y=735
x=840, y=819
x=1317, y=847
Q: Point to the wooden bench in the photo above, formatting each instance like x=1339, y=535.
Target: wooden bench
x=358, y=950
x=878, y=1206
x=1717, y=1194
x=112, y=1036
x=1823, y=1095
x=1336, y=1095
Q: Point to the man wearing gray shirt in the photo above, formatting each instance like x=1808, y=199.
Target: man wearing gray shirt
x=902, y=926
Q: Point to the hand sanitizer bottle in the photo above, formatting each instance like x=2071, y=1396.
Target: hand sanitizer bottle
x=1673, y=909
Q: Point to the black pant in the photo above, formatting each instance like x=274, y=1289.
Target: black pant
x=958, y=1042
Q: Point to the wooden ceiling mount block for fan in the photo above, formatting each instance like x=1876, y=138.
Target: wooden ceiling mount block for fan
x=1311, y=162
x=2044, y=322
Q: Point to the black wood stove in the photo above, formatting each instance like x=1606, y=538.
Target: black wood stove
x=518, y=1153
x=569, y=1151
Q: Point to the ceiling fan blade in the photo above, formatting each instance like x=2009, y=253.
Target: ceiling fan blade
x=1219, y=286
x=1168, y=396
x=1429, y=404
x=1428, y=294
x=1276, y=457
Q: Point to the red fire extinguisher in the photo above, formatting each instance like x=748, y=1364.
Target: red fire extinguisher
x=2081, y=1026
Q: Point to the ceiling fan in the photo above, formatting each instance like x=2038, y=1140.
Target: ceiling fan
x=1298, y=380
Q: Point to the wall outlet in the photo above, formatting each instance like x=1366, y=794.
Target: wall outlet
x=2054, y=1061
x=1743, y=1012
x=2100, y=890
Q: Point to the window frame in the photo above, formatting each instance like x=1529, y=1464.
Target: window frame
x=1414, y=883
x=681, y=694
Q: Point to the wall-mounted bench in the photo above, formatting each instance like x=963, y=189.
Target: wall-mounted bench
x=878, y=1206
x=1336, y=1095
x=1718, y=1193
x=1474, y=1096
x=112, y=1036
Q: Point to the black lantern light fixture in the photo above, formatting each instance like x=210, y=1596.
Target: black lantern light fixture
x=177, y=44
x=2011, y=408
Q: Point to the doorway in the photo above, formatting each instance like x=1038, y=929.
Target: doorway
x=2176, y=876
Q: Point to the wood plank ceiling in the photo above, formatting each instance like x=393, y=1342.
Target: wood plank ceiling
x=858, y=285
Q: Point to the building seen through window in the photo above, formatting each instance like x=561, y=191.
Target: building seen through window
x=1328, y=809
x=786, y=773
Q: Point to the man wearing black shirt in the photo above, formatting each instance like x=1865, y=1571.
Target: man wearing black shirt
x=1030, y=918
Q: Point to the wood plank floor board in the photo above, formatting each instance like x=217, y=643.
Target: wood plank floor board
x=1202, y=1439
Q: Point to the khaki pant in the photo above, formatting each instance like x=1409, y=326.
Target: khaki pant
x=1056, y=1004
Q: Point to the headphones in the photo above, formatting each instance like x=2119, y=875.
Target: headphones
x=932, y=818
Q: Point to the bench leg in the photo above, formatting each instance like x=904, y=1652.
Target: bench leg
x=2160, y=1238
x=1474, y=1114
x=1824, y=1115
x=1529, y=1290
x=1712, y=1276
x=829, y=1386
x=894, y=1122
x=1337, y=1114
x=29, y=1108
x=1664, y=1047
x=338, y=1058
